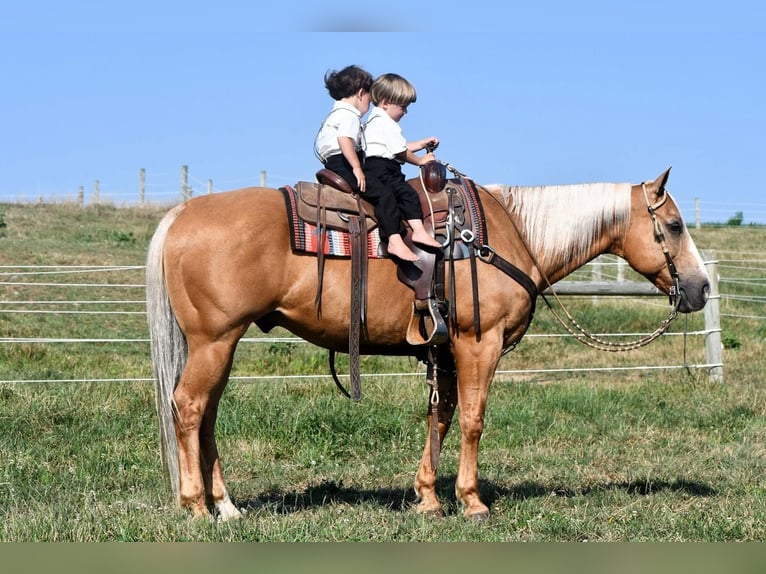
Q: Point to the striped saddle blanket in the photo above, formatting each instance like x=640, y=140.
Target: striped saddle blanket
x=301, y=204
x=304, y=234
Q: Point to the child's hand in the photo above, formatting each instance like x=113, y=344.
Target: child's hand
x=430, y=144
x=360, y=179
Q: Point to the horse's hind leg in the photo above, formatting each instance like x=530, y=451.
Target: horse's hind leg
x=196, y=397
x=210, y=463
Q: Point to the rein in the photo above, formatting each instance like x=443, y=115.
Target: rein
x=587, y=338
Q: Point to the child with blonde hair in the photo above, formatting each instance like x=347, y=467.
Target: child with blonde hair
x=387, y=150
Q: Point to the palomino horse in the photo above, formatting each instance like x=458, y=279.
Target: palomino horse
x=218, y=263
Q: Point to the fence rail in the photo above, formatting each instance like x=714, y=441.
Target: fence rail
x=125, y=303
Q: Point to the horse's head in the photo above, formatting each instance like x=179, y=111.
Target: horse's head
x=658, y=246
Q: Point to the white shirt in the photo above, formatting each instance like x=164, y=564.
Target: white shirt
x=343, y=121
x=383, y=135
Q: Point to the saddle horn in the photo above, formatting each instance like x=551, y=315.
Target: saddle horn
x=433, y=174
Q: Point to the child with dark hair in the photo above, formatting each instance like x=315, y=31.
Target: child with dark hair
x=339, y=145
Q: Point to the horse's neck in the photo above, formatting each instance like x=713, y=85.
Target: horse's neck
x=565, y=226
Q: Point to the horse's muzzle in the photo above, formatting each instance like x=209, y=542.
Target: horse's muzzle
x=693, y=296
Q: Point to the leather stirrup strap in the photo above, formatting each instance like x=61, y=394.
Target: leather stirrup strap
x=451, y=256
x=362, y=259
x=321, y=230
x=475, y=291
x=355, y=318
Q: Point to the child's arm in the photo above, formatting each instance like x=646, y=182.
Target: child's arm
x=348, y=148
x=409, y=154
x=432, y=142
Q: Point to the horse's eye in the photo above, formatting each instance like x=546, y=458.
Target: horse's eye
x=675, y=227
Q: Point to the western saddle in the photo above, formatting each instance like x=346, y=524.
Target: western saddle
x=332, y=204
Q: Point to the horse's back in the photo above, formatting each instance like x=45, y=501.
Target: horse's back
x=237, y=221
x=241, y=209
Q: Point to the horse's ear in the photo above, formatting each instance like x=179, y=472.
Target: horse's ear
x=659, y=183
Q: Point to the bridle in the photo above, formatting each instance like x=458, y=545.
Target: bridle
x=659, y=237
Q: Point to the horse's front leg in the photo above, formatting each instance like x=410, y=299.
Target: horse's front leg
x=476, y=364
x=425, y=480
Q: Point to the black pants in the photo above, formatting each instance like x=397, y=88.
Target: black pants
x=339, y=164
x=394, y=199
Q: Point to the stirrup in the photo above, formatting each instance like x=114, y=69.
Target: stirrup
x=427, y=326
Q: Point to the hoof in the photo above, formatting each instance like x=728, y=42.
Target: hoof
x=227, y=510
x=229, y=515
x=200, y=513
x=479, y=517
x=430, y=511
x=433, y=513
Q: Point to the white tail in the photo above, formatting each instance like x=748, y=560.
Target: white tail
x=168, y=349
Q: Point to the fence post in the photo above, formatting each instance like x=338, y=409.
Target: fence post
x=697, y=212
x=80, y=196
x=713, y=344
x=96, y=192
x=141, y=186
x=596, y=276
x=185, y=192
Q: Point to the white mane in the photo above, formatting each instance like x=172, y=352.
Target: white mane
x=561, y=222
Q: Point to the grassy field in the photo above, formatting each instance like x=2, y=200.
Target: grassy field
x=654, y=455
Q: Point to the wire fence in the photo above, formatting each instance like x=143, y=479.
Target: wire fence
x=167, y=188
x=48, y=305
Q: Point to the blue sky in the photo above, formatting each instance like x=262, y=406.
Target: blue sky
x=519, y=93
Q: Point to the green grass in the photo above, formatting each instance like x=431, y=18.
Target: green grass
x=625, y=455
